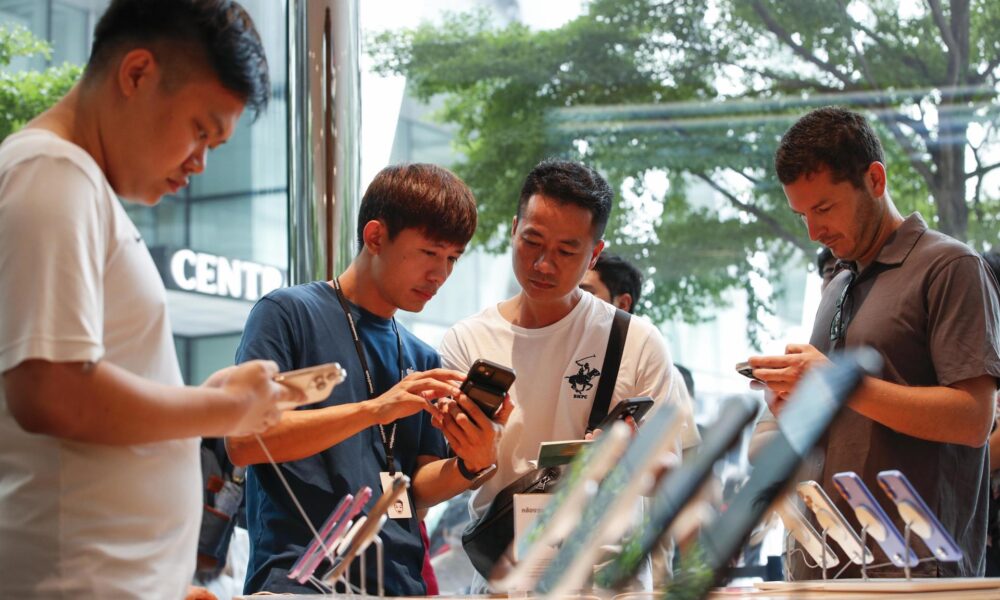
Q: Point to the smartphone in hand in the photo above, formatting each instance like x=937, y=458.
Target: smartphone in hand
x=316, y=382
x=629, y=407
x=486, y=384
x=744, y=369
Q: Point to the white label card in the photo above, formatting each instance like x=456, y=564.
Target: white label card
x=400, y=509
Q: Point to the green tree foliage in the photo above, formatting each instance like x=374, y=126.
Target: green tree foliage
x=699, y=93
x=24, y=94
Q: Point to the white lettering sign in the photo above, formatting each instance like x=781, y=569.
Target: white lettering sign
x=220, y=276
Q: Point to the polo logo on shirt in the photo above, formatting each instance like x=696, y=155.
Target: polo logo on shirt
x=581, y=380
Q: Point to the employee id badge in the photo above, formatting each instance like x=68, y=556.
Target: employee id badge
x=400, y=509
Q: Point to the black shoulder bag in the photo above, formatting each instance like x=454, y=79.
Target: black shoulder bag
x=487, y=538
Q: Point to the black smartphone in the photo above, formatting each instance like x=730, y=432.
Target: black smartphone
x=486, y=384
x=744, y=369
x=629, y=407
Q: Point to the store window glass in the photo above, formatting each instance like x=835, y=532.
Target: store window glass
x=680, y=104
x=221, y=243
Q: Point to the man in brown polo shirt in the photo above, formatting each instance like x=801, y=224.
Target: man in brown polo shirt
x=923, y=300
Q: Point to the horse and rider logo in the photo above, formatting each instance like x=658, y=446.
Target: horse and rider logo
x=581, y=380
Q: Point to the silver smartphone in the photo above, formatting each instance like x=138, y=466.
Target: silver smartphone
x=805, y=534
x=316, y=382
x=833, y=521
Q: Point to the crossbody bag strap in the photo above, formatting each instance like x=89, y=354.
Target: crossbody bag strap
x=609, y=372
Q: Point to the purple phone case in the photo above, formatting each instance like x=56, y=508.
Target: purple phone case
x=854, y=490
x=939, y=542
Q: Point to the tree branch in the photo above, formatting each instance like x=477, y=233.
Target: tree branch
x=774, y=27
x=761, y=216
x=905, y=57
x=954, y=54
x=981, y=170
x=904, y=141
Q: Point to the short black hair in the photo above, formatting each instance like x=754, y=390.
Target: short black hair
x=828, y=138
x=620, y=277
x=570, y=183
x=687, y=377
x=220, y=31
x=824, y=256
x=421, y=196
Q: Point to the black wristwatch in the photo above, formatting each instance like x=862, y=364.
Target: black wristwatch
x=476, y=477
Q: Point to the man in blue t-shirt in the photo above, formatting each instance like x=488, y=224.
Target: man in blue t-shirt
x=414, y=223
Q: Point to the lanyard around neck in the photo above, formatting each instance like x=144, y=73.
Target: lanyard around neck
x=387, y=443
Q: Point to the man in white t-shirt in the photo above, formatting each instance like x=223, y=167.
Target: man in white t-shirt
x=553, y=333
x=100, y=484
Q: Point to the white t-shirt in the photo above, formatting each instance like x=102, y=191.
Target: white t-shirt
x=83, y=520
x=558, y=369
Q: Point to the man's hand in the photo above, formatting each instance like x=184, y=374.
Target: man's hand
x=782, y=373
x=628, y=420
x=415, y=392
x=473, y=436
x=258, y=397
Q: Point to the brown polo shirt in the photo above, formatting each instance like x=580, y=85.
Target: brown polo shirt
x=929, y=305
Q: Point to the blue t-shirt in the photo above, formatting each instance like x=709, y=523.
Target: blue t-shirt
x=303, y=326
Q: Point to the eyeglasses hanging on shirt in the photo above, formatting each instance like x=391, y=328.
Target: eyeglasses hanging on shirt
x=841, y=318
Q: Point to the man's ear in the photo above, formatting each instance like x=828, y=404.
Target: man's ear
x=137, y=69
x=623, y=301
x=374, y=236
x=598, y=247
x=513, y=226
x=875, y=179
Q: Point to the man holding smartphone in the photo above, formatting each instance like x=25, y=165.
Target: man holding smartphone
x=925, y=302
x=99, y=465
x=414, y=223
x=552, y=328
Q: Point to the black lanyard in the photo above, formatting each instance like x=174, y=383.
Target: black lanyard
x=389, y=442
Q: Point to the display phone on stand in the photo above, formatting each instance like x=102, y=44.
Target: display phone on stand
x=629, y=407
x=316, y=382
x=332, y=533
x=575, y=489
x=805, y=534
x=869, y=513
x=608, y=514
x=913, y=510
x=366, y=528
x=486, y=384
x=817, y=399
x=832, y=520
x=676, y=489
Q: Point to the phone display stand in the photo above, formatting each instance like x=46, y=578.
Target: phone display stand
x=907, y=530
x=912, y=521
x=362, y=586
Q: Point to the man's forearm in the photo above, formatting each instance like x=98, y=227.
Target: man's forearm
x=302, y=433
x=955, y=415
x=105, y=404
x=437, y=481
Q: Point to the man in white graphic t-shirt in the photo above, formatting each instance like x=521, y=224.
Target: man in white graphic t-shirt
x=552, y=333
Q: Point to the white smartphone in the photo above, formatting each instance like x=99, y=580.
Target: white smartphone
x=833, y=521
x=805, y=534
x=315, y=382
